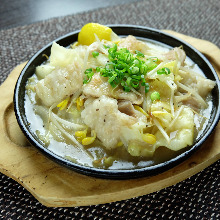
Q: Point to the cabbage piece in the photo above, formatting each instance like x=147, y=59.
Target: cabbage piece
x=171, y=65
x=100, y=60
x=167, y=79
x=133, y=140
x=61, y=56
x=43, y=70
x=164, y=117
x=162, y=88
x=161, y=110
x=181, y=133
x=160, y=106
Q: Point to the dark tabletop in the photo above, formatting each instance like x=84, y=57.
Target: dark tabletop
x=16, y=13
x=20, y=37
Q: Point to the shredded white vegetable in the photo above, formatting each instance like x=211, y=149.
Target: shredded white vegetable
x=185, y=69
x=163, y=132
x=100, y=46
x=171, y=102
x=153, y=73
x=71, y=137
x=193, y=92
x=50, y=111
x=68, y=123
x=148, y=102
x=97, y=38
x=181, y=97
x=73, y=99
x=135, y=91
x=176, y=117
x=144, y=104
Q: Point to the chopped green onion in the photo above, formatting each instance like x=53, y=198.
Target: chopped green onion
x=127, y=89
x=134, y=69
x=147, y=87
x=164, y=70
x=112, y=78
x=135, y=84
x=124, y=69
x=89, y=74
x=143, y=69
x=150, y=64
x=155, y=96
x=112, y=52
x=106, y=46
x=143, y=81
x=139, y=54
x=95, y=54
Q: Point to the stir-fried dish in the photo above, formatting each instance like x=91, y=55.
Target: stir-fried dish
x=117, y=102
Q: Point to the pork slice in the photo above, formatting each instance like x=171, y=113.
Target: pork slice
x=98, y=86
x=192, y=102
x=102, y=115
x=126, y=107
x=176, y=53
x=58, y=85
x=132, y=44
x=202, y=85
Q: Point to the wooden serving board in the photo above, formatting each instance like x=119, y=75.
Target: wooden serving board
x=57, y=186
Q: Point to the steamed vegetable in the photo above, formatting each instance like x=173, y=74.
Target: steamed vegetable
x=116, y=99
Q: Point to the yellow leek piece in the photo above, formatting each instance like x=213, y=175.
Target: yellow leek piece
x=62, y=105
x=138, y=108
x=149, y=138
x=178, y=78
x=89, y=140
x=45, y=55
x=81, y=134
x=79, y=103
x=160, y=113
x=74, y=45
x=119, y=144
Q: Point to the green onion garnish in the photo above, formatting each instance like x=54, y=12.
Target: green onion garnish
x=106, y=46
x=139, y=54
x=147, y=87
x=124, y=69
x=155, y=96
x=89, y=73
x=95, y=54
x=164, y=70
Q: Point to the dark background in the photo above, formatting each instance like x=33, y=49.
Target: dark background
x=20, y=12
